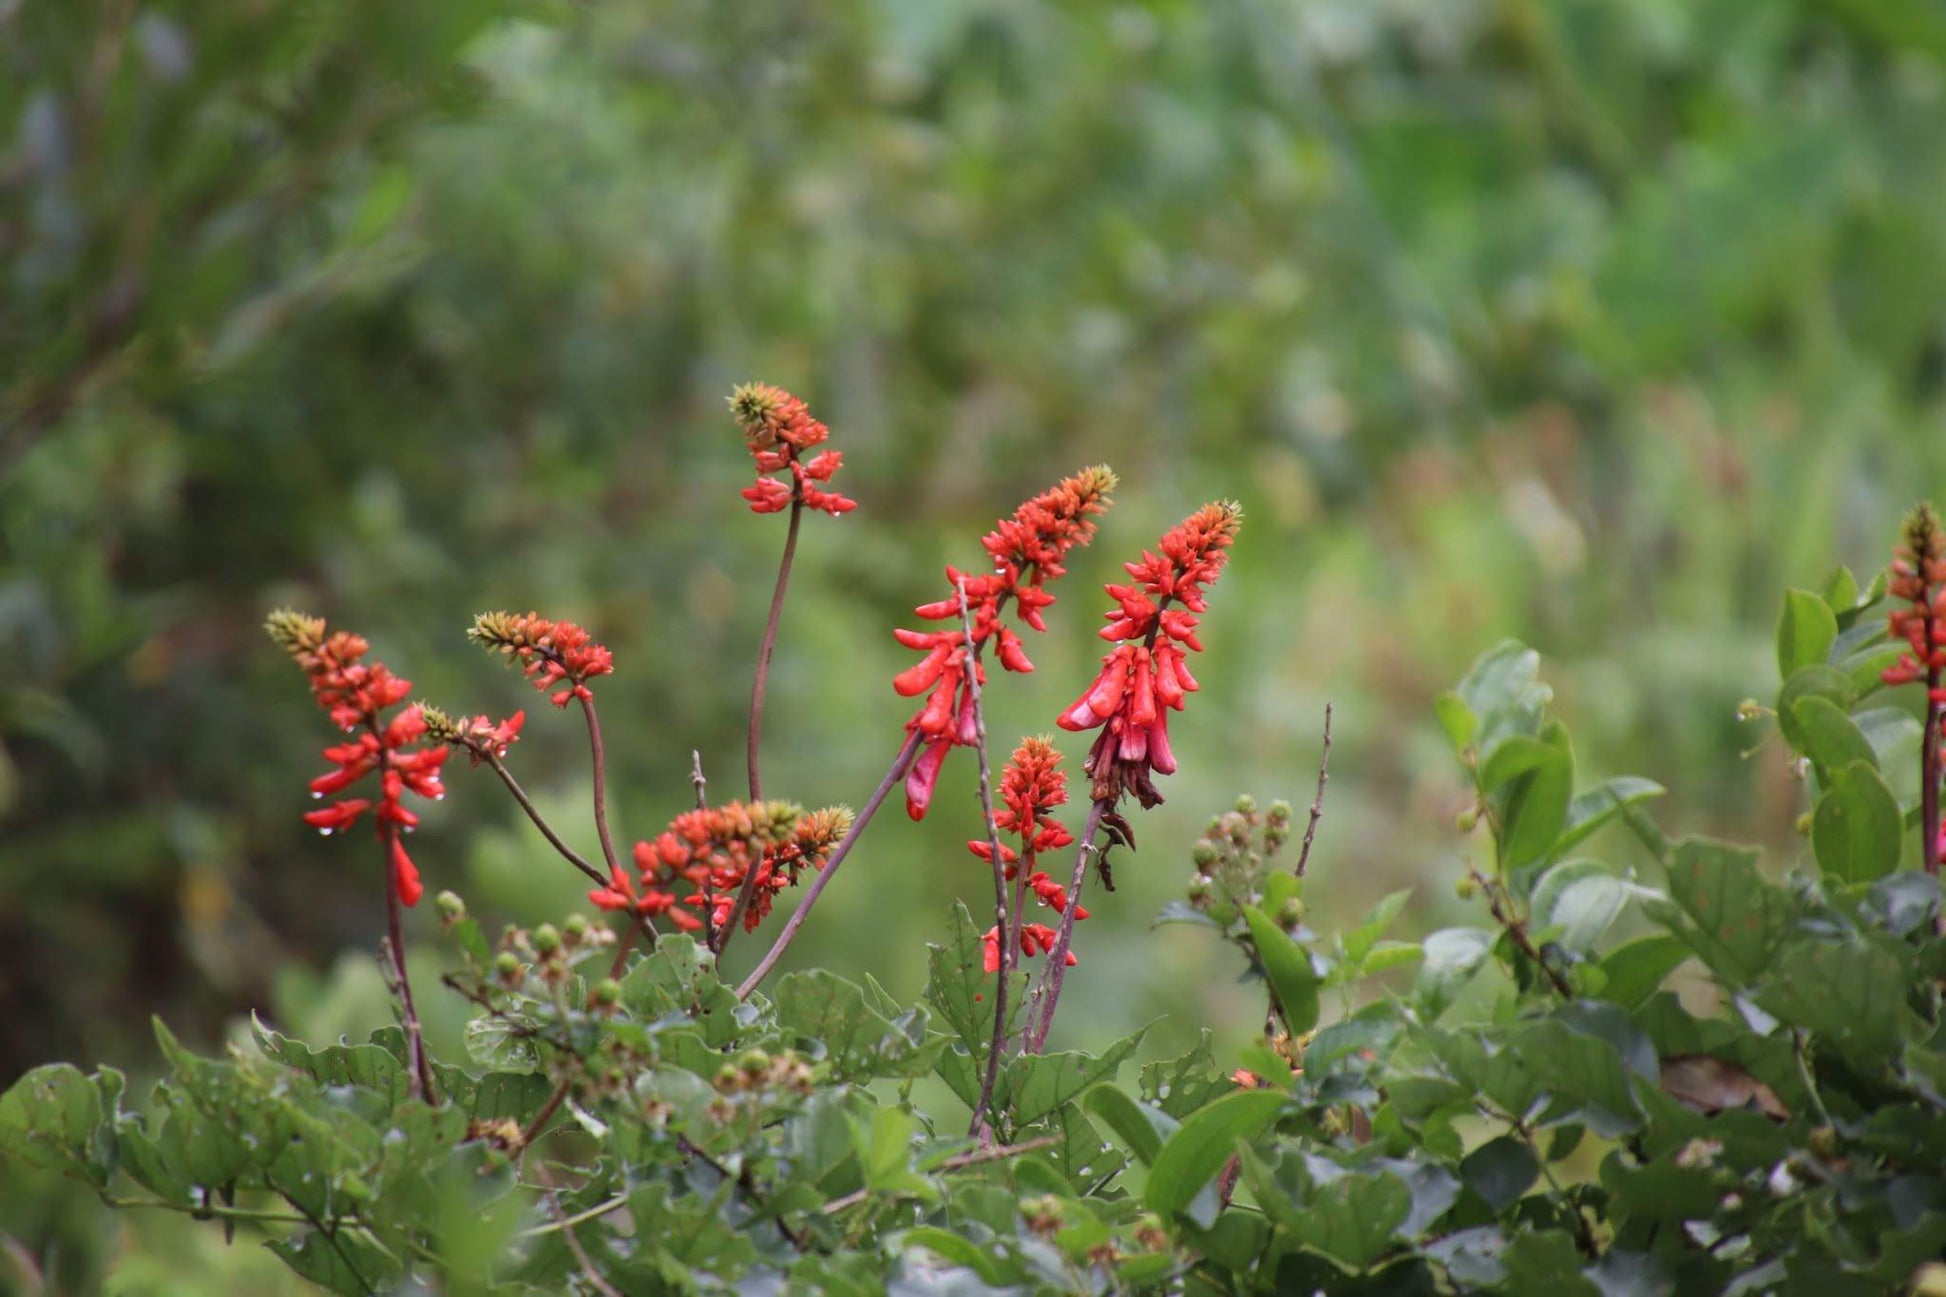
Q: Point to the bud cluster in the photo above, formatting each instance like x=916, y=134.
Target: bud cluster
x=1236, y=851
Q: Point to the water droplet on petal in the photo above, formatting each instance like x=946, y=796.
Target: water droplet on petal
x=324, y=833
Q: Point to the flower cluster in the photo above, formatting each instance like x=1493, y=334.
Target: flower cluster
x=778, y=429
x=1030, y=788
x=481, y=736
x=1919, y=578
x=699, y=864
x=1147, y=674
x=1027, y=551
x=356, y=695
x=549, y=652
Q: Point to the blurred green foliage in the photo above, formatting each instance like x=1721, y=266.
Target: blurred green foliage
x=1587, y=321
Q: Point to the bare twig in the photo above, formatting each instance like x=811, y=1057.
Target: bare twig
x=1002, y=928
x=754, y=742
x=900, y=764
x=568, y=853
x=1035, y=1039
x=601, y=784
x=696, y=780
x=1317, y=803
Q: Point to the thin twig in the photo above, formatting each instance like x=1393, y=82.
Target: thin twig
x=581, y=1259
x=601, y=785
x=1516, y=930
x=220, y=1212
x=415, y=1045
x=1317, y=803
x=755, y=738
x=1057, y=958
x=568, y=853
x=696, y=780
x=1002, y=927
x=900, y=764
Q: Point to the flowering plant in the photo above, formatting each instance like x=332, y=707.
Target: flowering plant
x=1533, y=1111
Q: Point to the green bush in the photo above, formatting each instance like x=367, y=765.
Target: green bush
x=1746, y=1093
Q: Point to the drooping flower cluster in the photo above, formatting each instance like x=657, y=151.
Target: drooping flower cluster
x=1919, y=579
x=1027, y=550
x=1030, y=788
x=699, y=864
x=549, y=652
x=357, y=695
x=1147, y=674
x=778, y=429
x=481, y=736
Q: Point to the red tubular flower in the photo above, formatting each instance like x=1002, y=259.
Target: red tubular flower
x=356, y=695
x=778, y=429
x=1027, y=550
x=1147, y=674
x=700, y=863
x=549, y=652
x=481, y=736
x=1919, y=578
x=1031, y=787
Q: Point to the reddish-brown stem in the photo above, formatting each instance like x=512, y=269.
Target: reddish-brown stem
x=1002, y=928
x=755, y=739
x=1035, y=1039
x=1317, y=803
x=415, y=1045
x=900, y=764
x=1500, y=905
x=547, y=1110
x=601, y=784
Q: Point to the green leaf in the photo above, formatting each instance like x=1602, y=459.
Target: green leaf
x=1811, y=682
x=819, y=1007
x=1044, y=1082
x=1729, y=913
x=1191, y=1157
x=369, y=1067
x=1350, y=1216
x=1637, y=970
x=1501, y=1171
x=1359, y=942
x=1851, y=994
x=1831, y=738
x=1452, y=956
x=339, y=1262
x=1538, y=778
x=1600, y=804
x=958, y=1250
x=961, y=991
x=1577, y=900
x=1805, y=631
x=1141, y=1126
x=502, y=1044
x=1181, y=1085
x=54, y=1117
x=1840, y=590
x=1503, y=692
x=1457, y=719
x=1287, y=967
x=1856, y=830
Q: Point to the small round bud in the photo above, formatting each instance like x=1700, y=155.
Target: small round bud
x=506, y=966
x=547, y=939
x=1467, y=819
x=1290, y=913
x=574, y=928
x=754, y=1063
x=1466, y=889
x=1199, y=890
x=1246, y=805
x=606, y=993
x=451, y=908
x=728, y=1079
x=1205, y=855
x=1824, y=1142
x=1279, y=812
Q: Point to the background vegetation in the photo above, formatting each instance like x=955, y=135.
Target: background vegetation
x=1594, y=323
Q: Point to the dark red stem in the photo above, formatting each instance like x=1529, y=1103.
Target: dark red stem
x=900, y=764
x=755, y=739
x=1057, y=959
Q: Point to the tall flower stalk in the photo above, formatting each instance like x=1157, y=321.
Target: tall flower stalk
x=1918, y=577
x=1028, y=550
x=778, y=429
x=1143, y=679
x=357, y=695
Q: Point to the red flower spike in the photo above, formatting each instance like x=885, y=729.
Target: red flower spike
x=356, y=695
x=778, y=429
x=1031, y=787
x=1027, y=550
x=481, y=736
x=1147, y=676
x=699, y=864
x=550, y=653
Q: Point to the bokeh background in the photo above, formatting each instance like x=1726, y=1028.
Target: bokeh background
x=1592, y=322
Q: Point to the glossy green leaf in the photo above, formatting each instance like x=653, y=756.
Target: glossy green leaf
x=1805, y=631
x=1830, y=737
x=1190, y=1158
x=1287, y=967
x=1857, y=829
